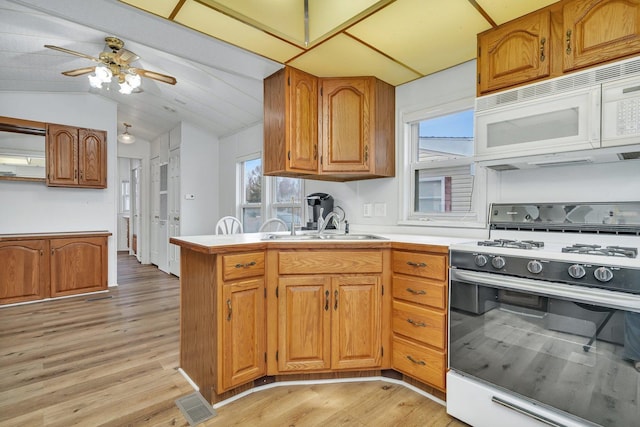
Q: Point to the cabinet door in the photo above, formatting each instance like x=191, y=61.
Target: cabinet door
x=356, y=324
x=78, y=265
x=23, y=276
x=62, y=155
x=304, y=323
x=92, y=158
x=346, y=124
x=514, y=53
x=599, y=31
x=243, y=333
x=302, y=121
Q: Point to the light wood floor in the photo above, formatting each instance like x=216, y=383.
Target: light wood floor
x=111, y=360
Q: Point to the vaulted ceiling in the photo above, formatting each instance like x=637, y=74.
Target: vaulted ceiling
x=220, y=50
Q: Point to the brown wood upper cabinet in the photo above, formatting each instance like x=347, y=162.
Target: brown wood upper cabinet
x=564, y=37
x=516, y=52
x=599, y=31
x=336, y=129
x=357, y=132
x=76, y=157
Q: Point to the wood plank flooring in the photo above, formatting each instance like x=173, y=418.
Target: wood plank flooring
x=111, y=360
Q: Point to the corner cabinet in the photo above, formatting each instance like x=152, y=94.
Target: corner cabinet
x=40, y=266
x=357, y=132
x=336, y=129
x=514, y=53
x=76, y=157
x=599, y=31
x=290, y=123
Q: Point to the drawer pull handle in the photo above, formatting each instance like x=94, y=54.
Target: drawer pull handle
x=249, y=264
x=417, y=362
x=326, y=300
x=229, y=309
x=542, y=42
x=568, y=42
x=335, y=296
x=418, y=292
x=417, y=264
x=417, y=324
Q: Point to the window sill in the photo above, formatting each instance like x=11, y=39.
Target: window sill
x=444, y=223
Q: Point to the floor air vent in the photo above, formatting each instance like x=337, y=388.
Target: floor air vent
x=195, y=408
x=630, y=156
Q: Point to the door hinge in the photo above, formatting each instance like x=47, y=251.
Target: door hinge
x=478, y=78
x=265, y=357
x=381, y=351
x=276, y=356
x=321, y=91
x=265, y=293
x=276, y=291
x=288, y=81
x=382, y=289
x=479, y=50
x=321, y=159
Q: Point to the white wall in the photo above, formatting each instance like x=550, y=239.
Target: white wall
x=27, y=207
x=198, y=176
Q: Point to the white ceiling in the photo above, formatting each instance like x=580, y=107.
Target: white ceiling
x=220, y=85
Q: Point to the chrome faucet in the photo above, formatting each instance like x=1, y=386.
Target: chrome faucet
x=331, y=217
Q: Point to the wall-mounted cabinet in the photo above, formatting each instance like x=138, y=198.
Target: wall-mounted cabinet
x=564, y=37
x=76, y=157
x=337, y=129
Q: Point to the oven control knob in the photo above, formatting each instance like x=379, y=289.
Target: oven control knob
x=603, y=274
x=481, y=260
x=577, y=271
x=498, y=262
x=534, y=267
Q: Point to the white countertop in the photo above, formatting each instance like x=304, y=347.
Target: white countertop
x=247, y=238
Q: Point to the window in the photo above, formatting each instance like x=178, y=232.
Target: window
x=440, y=176
x=284, y=201
x=125, y=196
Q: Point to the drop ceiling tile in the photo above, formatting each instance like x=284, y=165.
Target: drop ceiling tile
x=504, y=11
x=344, y=56
x=425, y=36
x=216, y=24
x=285, y=18
x=157, y=7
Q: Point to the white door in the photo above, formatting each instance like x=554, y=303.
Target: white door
x=174, y=209
x=136, y=173
x=155, y=210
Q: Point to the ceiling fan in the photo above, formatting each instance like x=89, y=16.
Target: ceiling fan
x=114, y=61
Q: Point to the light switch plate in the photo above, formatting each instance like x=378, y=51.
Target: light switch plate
x=380, y=209
x=367, y=210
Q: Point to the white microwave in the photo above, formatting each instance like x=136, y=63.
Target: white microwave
x=595, y=109
x=563, y=122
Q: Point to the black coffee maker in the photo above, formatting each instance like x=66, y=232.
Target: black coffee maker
x=318, y=204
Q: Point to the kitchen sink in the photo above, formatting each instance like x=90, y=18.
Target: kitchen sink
x=312, y=237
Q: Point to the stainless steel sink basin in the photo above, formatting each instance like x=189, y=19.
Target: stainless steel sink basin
x=316, y=237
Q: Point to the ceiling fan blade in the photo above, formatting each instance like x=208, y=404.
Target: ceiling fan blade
x=79, y=71
x=72, y=52
x=155, y=76
x=124, y=56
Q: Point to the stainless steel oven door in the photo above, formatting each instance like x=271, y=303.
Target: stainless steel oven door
x=573, y=349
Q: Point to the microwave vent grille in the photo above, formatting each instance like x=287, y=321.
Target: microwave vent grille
x=559, y=85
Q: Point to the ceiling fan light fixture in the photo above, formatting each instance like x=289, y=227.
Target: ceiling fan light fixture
x=102, y=75
x=126, y=137
x=131, y=82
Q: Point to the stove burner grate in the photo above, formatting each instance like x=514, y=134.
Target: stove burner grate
x=516, y=244
x=599, y=250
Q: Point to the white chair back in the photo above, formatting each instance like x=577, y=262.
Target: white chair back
x=229, y=225
x=273, y=224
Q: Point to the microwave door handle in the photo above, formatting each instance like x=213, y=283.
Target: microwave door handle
x=596, y=115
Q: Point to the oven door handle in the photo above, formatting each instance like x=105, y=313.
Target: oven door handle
x=617, y=300
x=526, y=412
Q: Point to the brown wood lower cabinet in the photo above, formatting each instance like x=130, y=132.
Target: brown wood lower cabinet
x=39, y=266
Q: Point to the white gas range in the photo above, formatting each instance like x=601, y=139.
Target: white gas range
x=545, y=317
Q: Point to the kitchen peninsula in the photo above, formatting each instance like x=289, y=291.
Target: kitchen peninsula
x=256, y=311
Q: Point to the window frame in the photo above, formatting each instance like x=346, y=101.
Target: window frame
x=409, y=132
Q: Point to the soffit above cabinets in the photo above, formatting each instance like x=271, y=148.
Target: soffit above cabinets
x=394, y=40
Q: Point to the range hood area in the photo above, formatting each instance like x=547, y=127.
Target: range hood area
x=582, y=118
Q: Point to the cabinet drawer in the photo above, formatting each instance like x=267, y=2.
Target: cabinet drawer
x=419, y=362
x=420, y=291
x=419, y=264
x=420, y=324
x=237, y=266
x=327, y=262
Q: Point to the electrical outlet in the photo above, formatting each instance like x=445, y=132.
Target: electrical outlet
x=380, y=209
x=189, y=196
x=367, y=210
